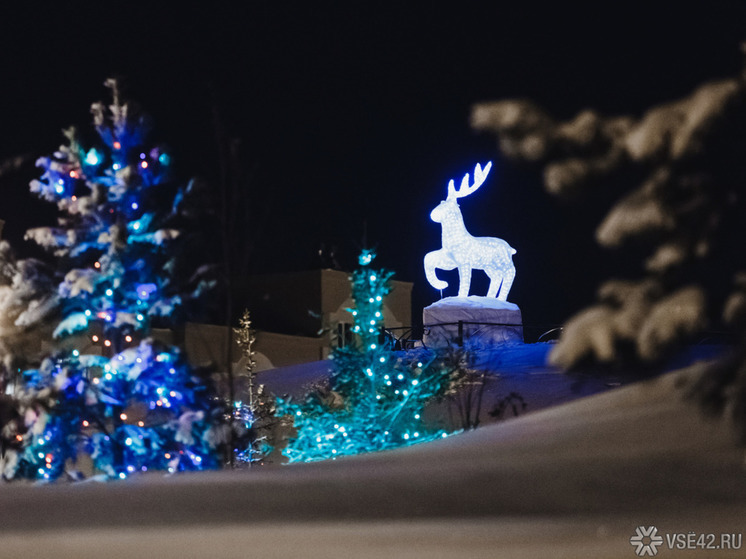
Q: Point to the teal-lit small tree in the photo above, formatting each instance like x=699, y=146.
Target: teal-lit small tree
x=376, y=397
x=132, y=404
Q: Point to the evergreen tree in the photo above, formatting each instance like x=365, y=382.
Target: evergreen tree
x=683, y=165
x=136, y=404
x=376, y=397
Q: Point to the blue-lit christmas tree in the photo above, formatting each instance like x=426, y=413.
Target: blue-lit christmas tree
x=376, y=397
x=132, y=404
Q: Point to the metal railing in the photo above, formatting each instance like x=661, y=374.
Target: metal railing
x=407, y=337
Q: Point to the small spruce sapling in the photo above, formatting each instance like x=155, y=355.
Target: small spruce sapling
x=375, y=397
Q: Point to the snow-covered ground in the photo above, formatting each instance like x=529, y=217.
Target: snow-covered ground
x=571, y=480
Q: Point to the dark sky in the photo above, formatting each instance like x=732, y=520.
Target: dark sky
x=354, y=115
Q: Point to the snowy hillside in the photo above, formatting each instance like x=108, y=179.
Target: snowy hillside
x=573, y=480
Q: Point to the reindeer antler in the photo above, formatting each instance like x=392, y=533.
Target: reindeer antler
x=464, y=190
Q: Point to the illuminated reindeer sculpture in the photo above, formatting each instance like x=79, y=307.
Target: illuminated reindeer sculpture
x=461, y=250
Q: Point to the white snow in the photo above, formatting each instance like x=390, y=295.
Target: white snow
x=569, y=481
x=494, y=316
x=71, y=324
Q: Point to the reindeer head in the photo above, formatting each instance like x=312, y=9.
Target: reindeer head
x=449, y=206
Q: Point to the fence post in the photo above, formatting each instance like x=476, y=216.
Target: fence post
x=460, y=337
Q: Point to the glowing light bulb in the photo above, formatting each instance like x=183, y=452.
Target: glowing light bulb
x=123, y=416
x=144, y=164
x=74, y=174
x=107, y=343
x=94, y=338
x=59, y=189
x=116, y=166
x=76, y=353
x=134, y=205
x=92, y=157
x=97, y=264
x=372, y=277
x=85, y=423
x=109, y=292
x=117, y=145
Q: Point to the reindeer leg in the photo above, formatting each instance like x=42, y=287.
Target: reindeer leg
x=464, y=274
x=496, y=280
x=437, y=259
x=507, y=283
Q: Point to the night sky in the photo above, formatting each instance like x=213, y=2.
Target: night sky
x=353, y=116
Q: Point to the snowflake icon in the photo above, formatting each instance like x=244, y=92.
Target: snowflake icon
x=646, y=541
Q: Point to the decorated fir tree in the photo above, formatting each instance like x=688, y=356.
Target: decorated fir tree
x=132, y=404
x=376, y=397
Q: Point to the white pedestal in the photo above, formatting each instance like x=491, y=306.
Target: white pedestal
x=483, y=320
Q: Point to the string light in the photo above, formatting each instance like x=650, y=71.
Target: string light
x=372, y=402
x=461, y=250
x=80, y=418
